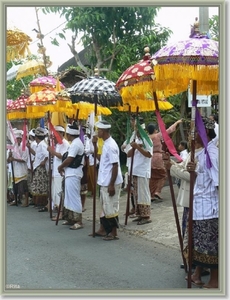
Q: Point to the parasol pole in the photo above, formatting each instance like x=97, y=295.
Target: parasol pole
x=50, y=170
x=172, y=195
x=130, y=178
x=192, y=181
x=95, y=172
x=14, y=184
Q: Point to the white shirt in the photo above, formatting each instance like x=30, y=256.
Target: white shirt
x=206, y=195
x=184, y=154
x=110, y=155
x=141, y=163
x=76, y=148
x=20, y=168
x=41, y=154
x=60, y=148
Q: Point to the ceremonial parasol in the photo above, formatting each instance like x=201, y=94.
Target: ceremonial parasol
x=16, y=44
x=16, y=109
x=136, y=86
x=31, y=67
x=40, y=83
x=141, y=91
x=196, y=59
x=12, y=72
x=96, y=90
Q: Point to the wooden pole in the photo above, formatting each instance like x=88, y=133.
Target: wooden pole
x=95, y=173
x=50, y=172
x=192, y=181
x=130, y=179
x=172, y=196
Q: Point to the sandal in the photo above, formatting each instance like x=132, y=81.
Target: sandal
x=66, y=223
x=55, y=218
x=137, y=219
x=158, y=197
x=24, y=205
x=76, y=226
x=110, y=238
x=196, y=282
x=144, y=221
x=43, y=209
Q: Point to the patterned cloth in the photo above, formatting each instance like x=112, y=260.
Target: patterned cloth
x=105, y=90
x=141, y=196
x=205, y=243
x=39, y=186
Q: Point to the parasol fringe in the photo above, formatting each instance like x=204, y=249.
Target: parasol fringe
x=194, y=72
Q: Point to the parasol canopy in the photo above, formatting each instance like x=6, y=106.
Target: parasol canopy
x=17, y=109
x=136, y=86
x=194, y=59
x=47, y=100
x=12, y=72
x=40, y=83
x=41, y=102
x=31, y=67
x=97, y=90
x=17, y=43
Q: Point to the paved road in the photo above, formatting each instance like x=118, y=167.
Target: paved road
x=46, y=258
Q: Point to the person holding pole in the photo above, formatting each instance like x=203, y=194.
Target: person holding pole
x=110, y=180
x=19, y=158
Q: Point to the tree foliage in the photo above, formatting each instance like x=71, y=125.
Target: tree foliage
x=14, y=87
x=214, y=27
x=116, y=35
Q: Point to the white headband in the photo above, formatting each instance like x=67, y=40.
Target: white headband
x=31, y=132
x=72, y=131
x=59, y=128
x=18, y=135
x=102, y=125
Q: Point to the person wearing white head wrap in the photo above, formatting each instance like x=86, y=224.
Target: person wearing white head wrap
x=19, y=158
x=39, y=186
x=57, y=152
x=72, y=210
x=110, y=180
x=31, y=145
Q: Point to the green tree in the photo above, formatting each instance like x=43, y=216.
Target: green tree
x=214, y=27
x=115, y=35
x=14, y=87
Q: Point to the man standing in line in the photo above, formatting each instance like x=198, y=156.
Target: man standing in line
x=110, y=180
x=72, y=210
x=19, y=159
x=57, y=152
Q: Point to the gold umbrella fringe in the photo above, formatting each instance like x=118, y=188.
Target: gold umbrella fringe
x=16, y=115
x=144, y=106
x=206, y=88
x=177, y=71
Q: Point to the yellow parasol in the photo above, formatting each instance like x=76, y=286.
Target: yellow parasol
x=17, y=43
x=31, y=67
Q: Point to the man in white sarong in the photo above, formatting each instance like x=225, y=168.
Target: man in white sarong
x=72, y=210
x=60, y=148
x=110, y=180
